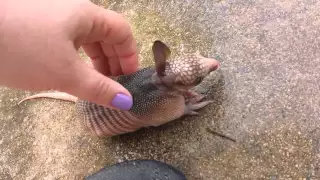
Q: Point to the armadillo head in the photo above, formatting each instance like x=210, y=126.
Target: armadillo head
x=183, y=72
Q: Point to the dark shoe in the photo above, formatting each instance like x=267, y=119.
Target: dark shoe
x=138, y=170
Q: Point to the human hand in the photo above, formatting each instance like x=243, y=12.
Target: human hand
x=39, y=42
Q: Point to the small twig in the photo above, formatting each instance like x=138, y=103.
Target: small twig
x=221, y=135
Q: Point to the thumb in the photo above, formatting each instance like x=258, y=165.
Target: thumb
x=88, y=84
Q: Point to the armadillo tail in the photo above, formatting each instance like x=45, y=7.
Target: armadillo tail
x=54, y=95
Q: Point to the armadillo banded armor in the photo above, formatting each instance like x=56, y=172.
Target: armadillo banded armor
x=149, y=109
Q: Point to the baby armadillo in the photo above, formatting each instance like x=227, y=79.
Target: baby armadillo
x=161, y=94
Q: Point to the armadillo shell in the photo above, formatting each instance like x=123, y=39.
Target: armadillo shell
x=138, y=170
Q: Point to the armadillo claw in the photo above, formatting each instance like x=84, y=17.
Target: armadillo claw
x=187, y=111
x=190, y=109
x=193, y=97
x=190, y=93
x=196, y=99
x=199, y=105
x=193, y=113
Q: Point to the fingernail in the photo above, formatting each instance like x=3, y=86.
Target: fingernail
x=122, y=101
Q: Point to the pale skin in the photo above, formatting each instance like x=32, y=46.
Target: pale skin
x=39, y=40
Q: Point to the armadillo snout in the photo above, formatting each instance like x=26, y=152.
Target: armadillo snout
x=211, y=64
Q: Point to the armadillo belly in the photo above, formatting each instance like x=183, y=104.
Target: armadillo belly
x=103, y=121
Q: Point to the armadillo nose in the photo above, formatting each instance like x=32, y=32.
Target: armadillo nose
x=213, y=64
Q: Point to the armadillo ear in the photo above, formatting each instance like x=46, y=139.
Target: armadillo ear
x=161, y=53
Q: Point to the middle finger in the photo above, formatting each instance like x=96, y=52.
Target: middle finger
x=98, y=58
x=112, y=59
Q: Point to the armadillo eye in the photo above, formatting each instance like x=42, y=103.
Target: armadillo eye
x=199, y=79
x=179, y=83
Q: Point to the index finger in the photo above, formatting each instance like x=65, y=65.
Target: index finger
x=111, y=29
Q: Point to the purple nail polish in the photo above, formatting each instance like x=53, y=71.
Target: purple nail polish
x=122, y=101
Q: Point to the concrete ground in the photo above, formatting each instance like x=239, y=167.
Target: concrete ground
x=266, y=94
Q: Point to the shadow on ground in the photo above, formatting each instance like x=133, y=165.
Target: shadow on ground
x=266, y=96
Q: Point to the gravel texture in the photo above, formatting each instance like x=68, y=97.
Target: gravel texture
x=266, y=94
